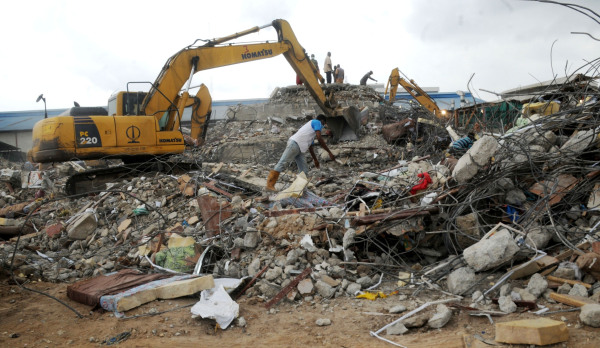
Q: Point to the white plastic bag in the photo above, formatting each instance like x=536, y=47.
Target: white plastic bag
x=216, y=304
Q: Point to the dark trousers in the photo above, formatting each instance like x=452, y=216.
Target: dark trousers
x=328, y=76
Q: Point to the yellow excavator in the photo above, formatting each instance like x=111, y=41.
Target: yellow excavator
x=148, y=123
x=415, y=91
x=142, y=125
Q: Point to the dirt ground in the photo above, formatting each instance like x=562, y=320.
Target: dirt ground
x=29, y=319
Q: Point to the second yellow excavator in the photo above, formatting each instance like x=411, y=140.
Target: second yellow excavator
x=415, y=91
x=148, y=123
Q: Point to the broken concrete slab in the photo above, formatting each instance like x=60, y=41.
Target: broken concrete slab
x=171, y=290
x=492, y=251
x=476, y=157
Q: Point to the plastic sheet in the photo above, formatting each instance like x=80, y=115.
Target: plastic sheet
x=216, y=304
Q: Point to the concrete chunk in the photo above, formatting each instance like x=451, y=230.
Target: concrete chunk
x=477, y=156
x=461, y=280
x=441, y=317
x=590, y=315
x=540, y=331
x=491, y=252
x=82, y=227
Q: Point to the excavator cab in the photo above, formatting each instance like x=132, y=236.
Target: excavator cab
x=126, y=103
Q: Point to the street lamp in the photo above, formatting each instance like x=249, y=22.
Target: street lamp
x=41, y=97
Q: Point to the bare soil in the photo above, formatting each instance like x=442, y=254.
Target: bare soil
x=28, y=319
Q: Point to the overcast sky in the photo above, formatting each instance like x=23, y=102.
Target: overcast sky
x=84, y=51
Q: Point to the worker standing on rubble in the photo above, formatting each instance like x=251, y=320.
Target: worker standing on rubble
x=328, y=68
x=461, y=146
x=339, y=74
x=314, y=61
x=297, y=145
x=363, y=80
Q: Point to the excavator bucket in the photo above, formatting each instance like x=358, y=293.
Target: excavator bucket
x=345, y=125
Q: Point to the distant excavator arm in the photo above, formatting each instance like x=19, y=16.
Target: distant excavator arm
x=414, y=90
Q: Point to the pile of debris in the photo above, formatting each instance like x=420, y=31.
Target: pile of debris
x=519, y=208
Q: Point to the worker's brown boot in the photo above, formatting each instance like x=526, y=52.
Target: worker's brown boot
x=271, y=180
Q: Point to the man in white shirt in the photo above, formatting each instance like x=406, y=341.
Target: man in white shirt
x=297, y=145
x=328, y=68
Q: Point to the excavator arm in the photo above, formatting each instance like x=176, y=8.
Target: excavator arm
x=184, y=64
x=414, y=90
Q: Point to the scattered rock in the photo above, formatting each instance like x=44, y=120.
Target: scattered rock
x=441, y=317
x=323, y=322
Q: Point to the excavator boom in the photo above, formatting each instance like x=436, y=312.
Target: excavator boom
x=414, y=90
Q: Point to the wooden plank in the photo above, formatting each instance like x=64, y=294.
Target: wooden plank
x=527, y=270
x=568, y=281
x=575, y=301
x=168, y=291
x=361, y=212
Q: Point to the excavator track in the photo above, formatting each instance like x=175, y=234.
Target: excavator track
x=95, y=180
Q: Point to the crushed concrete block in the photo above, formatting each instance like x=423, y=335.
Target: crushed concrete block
x=565, y=288
x=505, y=290
x=461, y=280
x=397, y=309
x=515, y=197
x=273, y=273
x=251, y=239
x=540, y=236
x=565, y=272
x=365, y=281
x=441, y=317
x=324, y=289
x=353, y=288
x=578, y=290
x=396, y=329
x=506, y=304
x=523, y=294
x=468, y=225
x=254, y=267
x=578, y=142
x=491, y=252
x=269, y=290
x=540, y=331
x=416, y=321
x=82, y=227
x=323, y=322
x=305, y=286
x=590, y=315
x=476, y=157
x=332, y=282
x=537, y=285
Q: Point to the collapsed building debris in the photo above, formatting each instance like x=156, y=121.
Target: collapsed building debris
x=519, y=207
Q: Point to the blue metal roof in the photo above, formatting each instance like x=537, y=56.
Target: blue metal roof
x=444, y=100
x=12, y=121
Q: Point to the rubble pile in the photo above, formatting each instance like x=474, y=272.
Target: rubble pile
x=518, y=211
